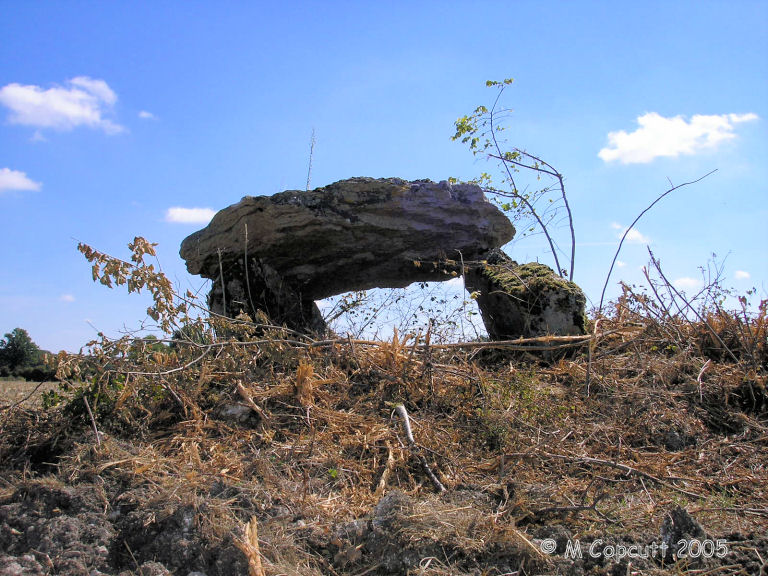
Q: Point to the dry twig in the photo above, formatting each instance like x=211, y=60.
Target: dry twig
x=403, y=413
x=249, y=545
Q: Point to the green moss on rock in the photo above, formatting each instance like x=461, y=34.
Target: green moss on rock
x=524, y=300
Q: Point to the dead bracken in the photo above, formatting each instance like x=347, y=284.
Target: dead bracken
x=238, y=447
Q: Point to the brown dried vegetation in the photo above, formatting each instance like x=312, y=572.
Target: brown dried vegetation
x=242, y=448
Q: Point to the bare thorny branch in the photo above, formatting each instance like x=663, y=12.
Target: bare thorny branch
x=635, y=221
x=657, y=265
x=613, y=263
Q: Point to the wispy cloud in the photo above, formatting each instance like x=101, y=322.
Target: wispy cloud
x=620, y=264
x=742, y=275
x=144, y=115
x=15, y=180
x=687, y=283
x=657, y=136
x=189, y=215
x=634, y=236
x=68, y=298
x=83, y=101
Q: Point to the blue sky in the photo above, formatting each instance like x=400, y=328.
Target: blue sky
x=112, y=114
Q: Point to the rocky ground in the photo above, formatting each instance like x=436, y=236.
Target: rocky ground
x=272, y=456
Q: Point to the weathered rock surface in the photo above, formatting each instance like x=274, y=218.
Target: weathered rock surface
x=280, y=253
x=525, y=299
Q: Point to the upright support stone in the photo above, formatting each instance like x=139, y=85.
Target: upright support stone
x=525, y=300
x=261, y=289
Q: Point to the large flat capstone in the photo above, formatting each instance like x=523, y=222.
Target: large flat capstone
x=351, y=235
x=280, y=253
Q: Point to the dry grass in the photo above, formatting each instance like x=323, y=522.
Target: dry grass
x=302, y=441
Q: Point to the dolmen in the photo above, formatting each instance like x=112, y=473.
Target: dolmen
x=277, y=255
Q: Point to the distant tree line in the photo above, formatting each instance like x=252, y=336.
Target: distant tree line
x=20, y=357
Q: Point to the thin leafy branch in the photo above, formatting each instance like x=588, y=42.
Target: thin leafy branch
x=138, y=275
x=480, y=131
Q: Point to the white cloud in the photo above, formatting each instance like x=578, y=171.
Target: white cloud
x=737, y=118
x=144, y=115
x=98, y=88
x=67, y=298
x=686, y=283
x=15, y=180
x=637, y=237
x=620, y=263
x=634, y=235
x=742, y=275
x=84, y=102
x=658, y=136
x=189, y=215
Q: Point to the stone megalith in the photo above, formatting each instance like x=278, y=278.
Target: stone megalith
x=280, y=253
x=525, y=300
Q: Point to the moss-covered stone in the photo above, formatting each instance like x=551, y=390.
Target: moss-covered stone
x=525, y=300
